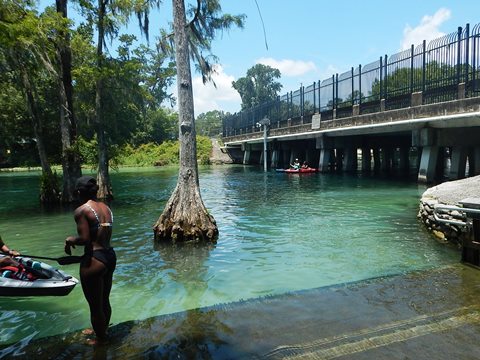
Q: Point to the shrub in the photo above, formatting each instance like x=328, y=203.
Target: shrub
x=167, y=153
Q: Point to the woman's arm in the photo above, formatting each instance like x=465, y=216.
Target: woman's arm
x=6, y=250
x=83, y=230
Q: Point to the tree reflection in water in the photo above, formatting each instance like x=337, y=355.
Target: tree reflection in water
x=198, y=330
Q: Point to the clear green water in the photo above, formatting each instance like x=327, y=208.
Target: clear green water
x=278, y=233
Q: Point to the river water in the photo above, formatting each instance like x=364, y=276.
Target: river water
x=279, y=233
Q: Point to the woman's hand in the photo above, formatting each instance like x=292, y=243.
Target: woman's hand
x=13, y=252
x=4, y=249
x=69, y=244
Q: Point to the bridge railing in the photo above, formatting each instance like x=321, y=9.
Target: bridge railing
x=434, y=69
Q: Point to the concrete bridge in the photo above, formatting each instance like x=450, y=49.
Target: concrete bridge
x=399, y=114
x=435, y=140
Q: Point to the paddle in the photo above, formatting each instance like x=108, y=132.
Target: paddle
x=64, y=260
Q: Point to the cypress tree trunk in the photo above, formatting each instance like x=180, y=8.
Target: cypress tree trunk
x=103, y=176
x=185, y=217
x=49, y=192
x=68, y=126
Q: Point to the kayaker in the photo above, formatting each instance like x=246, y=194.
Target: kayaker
x=94, y=221
x=7, y=260
x=295, y=165
x=305, y=165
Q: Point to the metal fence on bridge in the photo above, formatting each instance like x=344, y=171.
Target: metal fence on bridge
x=435, y=69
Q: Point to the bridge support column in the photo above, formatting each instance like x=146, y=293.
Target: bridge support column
x=459, y=163
x=474, y=162
x=366, y=159
x=376, y=159
x=246, y=157
x=386, y=159
x=285, y=157
x=325, y=160
x=426, y=139
x=403, y=159
x=338, y=159
x=310, y=157
x=274, y=160
x=325, y=144
x=350, y=160
x=418, y=158
x=428, y=164
x=246, y=153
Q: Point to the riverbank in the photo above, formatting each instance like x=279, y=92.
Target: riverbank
x=217, y=157
x=448, y=193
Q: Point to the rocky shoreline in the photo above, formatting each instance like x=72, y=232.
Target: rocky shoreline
x=448, y=193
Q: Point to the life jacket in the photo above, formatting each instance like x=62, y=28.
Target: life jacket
x=18, y=272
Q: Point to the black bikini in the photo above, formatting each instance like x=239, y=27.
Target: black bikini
x=107, y=257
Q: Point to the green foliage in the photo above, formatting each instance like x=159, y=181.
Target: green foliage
x=399, y=82
x=204, y=149
x=28, y=81
x=205, y=20
x=258, y=86
x=135, y=87
x=166, y=153
x=49, y=188
x=88, y=151
x=210, y=123
x=149, y=154
x=157, y=126
x=136, y=79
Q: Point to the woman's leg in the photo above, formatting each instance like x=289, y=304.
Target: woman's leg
x=111, y=264
x=92, y=279
x=107, y=286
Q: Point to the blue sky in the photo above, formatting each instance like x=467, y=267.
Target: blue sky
x=309, y=40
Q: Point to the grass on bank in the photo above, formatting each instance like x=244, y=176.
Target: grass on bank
x=166, y=153
x=145, y=155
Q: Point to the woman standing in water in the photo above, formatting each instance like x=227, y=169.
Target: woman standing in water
x=94, y=227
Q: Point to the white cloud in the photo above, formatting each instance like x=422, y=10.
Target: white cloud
x=428, y=29
x=331, y=70
x=289, y=67
x=223, y=97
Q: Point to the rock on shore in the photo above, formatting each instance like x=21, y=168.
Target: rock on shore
x=448, y=193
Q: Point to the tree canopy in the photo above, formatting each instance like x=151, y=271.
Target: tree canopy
x=66, y=95
x=258, y=86
x=210, y=123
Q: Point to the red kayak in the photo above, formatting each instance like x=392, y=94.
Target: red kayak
x=300, y=171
